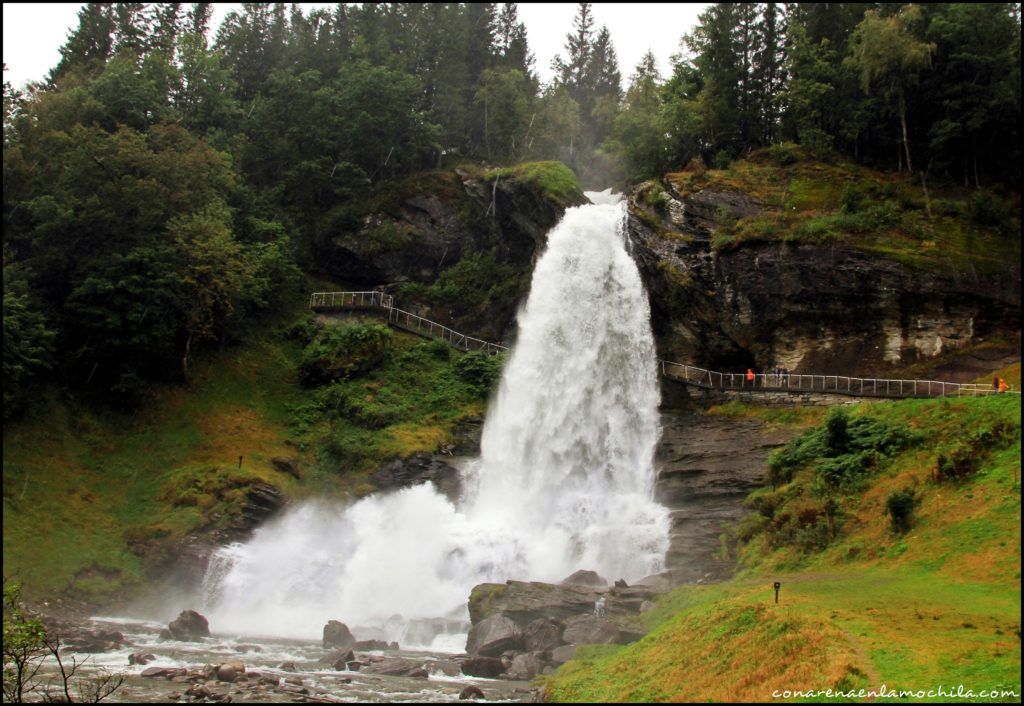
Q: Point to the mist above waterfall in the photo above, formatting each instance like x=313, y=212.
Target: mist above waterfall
x=564, y=480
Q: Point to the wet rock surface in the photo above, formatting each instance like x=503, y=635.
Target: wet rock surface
x=707, y=466
x=774, y=303
x=419, y=468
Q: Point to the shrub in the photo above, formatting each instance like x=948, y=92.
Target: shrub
x=721, y=160
x=837, y=436
x=785, y=153
x=985, y=209
x=303, y=329
x=479, y=370
x=852, y=199
x=340, y=352
x=846, y=470
x=900, y=506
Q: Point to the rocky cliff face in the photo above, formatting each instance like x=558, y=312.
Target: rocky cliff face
x=809, y=307
x=494, y=226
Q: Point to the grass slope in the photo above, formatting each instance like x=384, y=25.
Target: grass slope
x=939, y=605
x=83, y=487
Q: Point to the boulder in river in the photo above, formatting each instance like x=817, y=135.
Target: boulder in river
x=489, y=667
x=493, y=636
x=590, y=630
x=584, y=577
x=543, y=634
x=561, y=655
x=226, y=672
x=337, y=634
x=141, y=658
x=188, y=626
x=524, y=666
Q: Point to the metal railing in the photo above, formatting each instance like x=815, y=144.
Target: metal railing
x=689, y=374
x=350, y=300
x=832, y=384
x=401, y=319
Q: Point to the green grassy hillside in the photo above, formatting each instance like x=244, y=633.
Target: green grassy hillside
x=862, y=603
x=93, y=498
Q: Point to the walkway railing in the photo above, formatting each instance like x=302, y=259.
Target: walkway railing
x=405, y=320
x=689, y=374
x=831, y=384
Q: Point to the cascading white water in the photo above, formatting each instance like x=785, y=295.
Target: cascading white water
x=564, y=480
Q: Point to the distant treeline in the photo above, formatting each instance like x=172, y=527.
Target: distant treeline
x=162, y=188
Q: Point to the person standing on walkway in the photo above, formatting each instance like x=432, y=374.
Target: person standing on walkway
x=1002, y=385
x=995, y=384
x=750, y=376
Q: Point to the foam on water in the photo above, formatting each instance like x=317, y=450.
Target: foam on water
x=564, y=480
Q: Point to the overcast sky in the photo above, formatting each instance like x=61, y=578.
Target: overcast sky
x=33, y=32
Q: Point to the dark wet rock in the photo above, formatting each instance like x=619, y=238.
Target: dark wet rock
x=621, y=583
x=393, y=666
x=226, y=672
x=471, y=692
x=337, y=634
x=341, y=659
x=524, y=667
x=286, y=666
x=417, y=469
x=167, y=672
x=286, y=464
x=561, y=655
x=707, y=466
x=94, y=641
x=584, y=577
x=248, y=648
x=262, y=501
x=189, y=626
x=489, y=667
x=142, y=658
x=543, y=634
x=590, y=630
x=493, y=636
x=375, y=645
x=418, y=673
x=524, y=602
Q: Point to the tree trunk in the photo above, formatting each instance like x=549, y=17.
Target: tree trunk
x=906, y=138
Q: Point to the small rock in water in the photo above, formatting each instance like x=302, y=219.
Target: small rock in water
x=226, y=672
x=337, y=634
x=621, y=583
x=418, y=672
x=248, y=648
x=141, y=658
x=471, y=692
x=286, y=666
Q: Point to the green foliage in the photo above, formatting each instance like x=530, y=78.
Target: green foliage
x=474, y=282
x=480, y=371
x=554, y=180
x=721, y=160
x=340, y=352
x=900, y=505
x=28, y=343
x=785, y=153
x=24, y=646
x=986, y=209
x=837, y=435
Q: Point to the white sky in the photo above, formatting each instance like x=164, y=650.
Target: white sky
x=34, y=32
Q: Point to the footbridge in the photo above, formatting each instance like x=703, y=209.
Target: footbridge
x=707, y=381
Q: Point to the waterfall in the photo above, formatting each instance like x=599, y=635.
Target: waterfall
x=564, y=480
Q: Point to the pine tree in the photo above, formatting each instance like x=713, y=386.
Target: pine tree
x=90, y=45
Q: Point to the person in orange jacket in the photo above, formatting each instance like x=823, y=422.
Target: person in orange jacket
x=1002, y=385
x=750, y=376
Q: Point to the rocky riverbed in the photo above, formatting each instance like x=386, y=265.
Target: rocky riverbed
x=273, y=670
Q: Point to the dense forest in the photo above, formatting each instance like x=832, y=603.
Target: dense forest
x=166, y=186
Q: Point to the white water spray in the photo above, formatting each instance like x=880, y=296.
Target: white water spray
x=564, y=480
